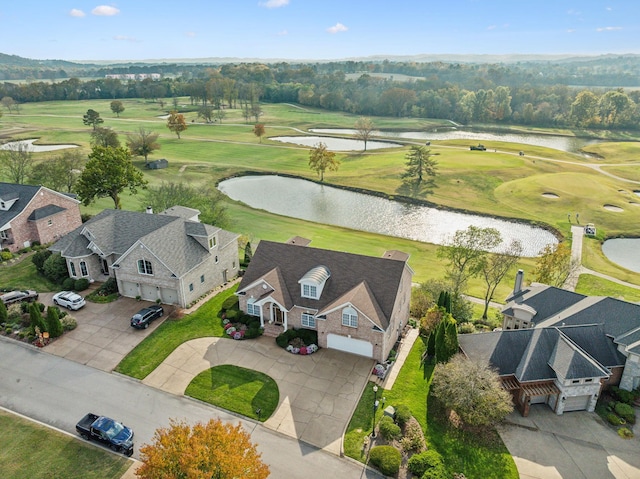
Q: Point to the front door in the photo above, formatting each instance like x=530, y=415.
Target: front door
x=105, y=266
x=278, y=315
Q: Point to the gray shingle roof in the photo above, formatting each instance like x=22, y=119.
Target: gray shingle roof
x=44, y=212
x=10, y=191
x=348, y=271
x=546, y=300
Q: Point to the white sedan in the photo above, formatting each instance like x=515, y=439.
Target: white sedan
x=69, y=300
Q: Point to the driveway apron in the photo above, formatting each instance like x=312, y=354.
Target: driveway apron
x=318, y=392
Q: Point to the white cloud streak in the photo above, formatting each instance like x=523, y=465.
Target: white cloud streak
x=608, y=29
x=76, y=13
x=274, y=3
x=105, y=11
x=338, y=27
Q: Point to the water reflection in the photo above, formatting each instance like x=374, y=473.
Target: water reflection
x=324, y=204
x=563, y=143
x=623, y=251
x=335, y=144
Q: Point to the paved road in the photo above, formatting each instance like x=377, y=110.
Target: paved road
x=58, y=392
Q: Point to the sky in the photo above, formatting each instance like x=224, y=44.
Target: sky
x=81, y=30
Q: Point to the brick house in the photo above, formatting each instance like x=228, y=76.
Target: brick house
x=35, y=213
x=358, y=304
x=170, y=257
x=561, y=348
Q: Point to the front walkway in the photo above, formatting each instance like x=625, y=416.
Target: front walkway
x=318, y=393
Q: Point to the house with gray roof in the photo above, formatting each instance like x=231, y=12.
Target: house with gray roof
x=358, y=304
x=561, y=348
x=166, y=257
x=31, y=214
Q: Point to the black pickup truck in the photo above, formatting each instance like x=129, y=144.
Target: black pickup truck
x=480, y=147
x=107, y=431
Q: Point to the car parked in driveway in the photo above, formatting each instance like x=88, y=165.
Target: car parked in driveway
x=145, y=316
x=69, y=300
x=19, y=296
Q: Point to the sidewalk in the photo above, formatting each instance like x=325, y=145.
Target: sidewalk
x=405, y=348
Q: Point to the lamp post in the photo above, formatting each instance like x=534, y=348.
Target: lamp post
x=375, y=408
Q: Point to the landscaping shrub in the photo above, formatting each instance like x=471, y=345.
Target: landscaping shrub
x=110, y=286
x=6, y=255
x=14, y=313
x=68, y=284
x=437, y=472
x=4, y=313
x=466, y=328
x=232, y=314
x=35, y=317
x=386, y=458
x=81, y=284
x=413, y=439
x=625, y=433
x=419, y=463
x=624, y=395
x=55, y=268
x=403, y=414
x=39, y=258
x=230, y=303
x=252, y=333
x=54, y=326
x=388, y=429
x=283, y=339
x=626, y=412
x=68, y=322
x=613, y=419
x=308, y=336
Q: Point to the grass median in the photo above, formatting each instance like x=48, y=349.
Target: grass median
x=203, y=322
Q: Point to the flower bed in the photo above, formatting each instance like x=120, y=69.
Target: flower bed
x=239, y=330
x=299, y=341
x=312, y=348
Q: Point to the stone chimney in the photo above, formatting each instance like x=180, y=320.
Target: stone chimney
x=517, y=287
x=149, y=210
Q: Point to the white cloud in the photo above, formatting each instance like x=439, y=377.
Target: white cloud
x=338, y=27
x=191, y=34
x=274, y=3
x=282, y=33
x=571, y=30
x=76, y=13
x=608, y=29
x=491, y=27
x=125, y=38
x=105, y=11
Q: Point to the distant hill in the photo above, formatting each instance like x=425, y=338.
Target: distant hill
x=16, y=61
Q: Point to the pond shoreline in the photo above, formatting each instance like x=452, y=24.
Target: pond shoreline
x=400, y=199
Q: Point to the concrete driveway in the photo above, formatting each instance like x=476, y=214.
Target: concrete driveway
x=318, y=393
x=576, y=445
x=103, y=336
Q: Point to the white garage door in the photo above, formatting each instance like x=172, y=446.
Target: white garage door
x=350, y=345
x=169, y=296
x=148, y=292
x=129, y=290
x=576, y=403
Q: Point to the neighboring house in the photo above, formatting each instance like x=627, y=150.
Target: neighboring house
x=170, y=256
x=35, y=213
x=561, y=348
x=358, y=304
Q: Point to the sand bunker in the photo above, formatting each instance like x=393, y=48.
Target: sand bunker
x=614, y=208
x=637, y=192
x=550, y=195
x=634, y=203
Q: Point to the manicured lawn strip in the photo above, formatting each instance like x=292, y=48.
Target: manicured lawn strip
x=172, y=333
x=478, y=457
x=23, y=275
x=236, y=389
x=589, y=284
x=593, y=258
x=37, y=452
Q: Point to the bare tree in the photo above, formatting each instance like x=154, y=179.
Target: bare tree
x=364, y=130
x=17, y=162
x=495, y=267
x=8, y=102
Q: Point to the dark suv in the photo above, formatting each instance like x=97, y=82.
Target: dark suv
x=18, y=296
x=143, y=318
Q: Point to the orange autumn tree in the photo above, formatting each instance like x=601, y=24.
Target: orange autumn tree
x=211, y=450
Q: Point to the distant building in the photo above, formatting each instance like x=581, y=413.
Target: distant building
x=134, y=76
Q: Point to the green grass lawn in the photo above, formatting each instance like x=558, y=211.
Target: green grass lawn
x=236, y=389
x=203, y=322
x=23, y=275
x=477, y=457
x=591, y=285
x=29, y=450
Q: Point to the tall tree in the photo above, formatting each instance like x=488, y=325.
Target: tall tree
x=466, y=253
x=473, y=390
x=176, y=123
x=584, y=109
x=206, y=112
x=62, y=172
x=108, y=173
x=143, y=143
x=258, y=130
x=420, y=171
x=207, y=199
x=555, y=265
x=16, y=163
x=220, y=114
x=209, y=450
x=36, y=319
x=104, y=136
x=117, y=107
x=495, y=267
x=92, y=118
x=321, y=159
x=54, y=326
x=8, y=102
x=364, y=130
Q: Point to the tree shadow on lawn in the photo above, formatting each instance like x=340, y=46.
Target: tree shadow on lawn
x=237, y=389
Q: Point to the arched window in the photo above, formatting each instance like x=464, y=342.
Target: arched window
x=72, y=267
x=83, y=268
x=144, y=267
x=350, y=317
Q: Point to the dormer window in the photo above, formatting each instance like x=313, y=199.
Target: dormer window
x=212, y=242
x=314, y=281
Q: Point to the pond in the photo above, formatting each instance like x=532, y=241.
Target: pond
x=623, y=251
x=28, y=144
x=563, y=143
x=335, y=144
x=311, y=201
